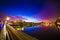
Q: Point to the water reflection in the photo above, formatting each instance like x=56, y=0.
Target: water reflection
x=39, y=29
x=42, y=32
x=34, y=29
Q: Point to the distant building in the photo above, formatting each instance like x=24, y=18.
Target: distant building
x=58, y=19
x=57, y=22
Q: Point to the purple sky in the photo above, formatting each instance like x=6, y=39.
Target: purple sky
x=50, y=12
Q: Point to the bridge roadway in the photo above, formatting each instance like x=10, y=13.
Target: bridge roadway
x=2, y=34
x=13, y=34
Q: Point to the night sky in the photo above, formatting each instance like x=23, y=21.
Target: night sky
x=33, y=10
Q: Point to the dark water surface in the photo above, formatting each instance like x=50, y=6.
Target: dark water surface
x=43, y=32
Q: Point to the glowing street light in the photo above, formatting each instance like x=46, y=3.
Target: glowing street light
x=8, y=18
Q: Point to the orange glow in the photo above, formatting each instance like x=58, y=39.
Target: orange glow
x=46, y=24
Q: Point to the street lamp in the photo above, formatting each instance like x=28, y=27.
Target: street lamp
x=8, y=18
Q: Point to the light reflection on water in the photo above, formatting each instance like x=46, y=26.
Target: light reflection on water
x=38, y=29
x=41, y=32
x=32, y=28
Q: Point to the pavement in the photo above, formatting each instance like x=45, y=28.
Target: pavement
x=2, y=37
x=18, y=35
